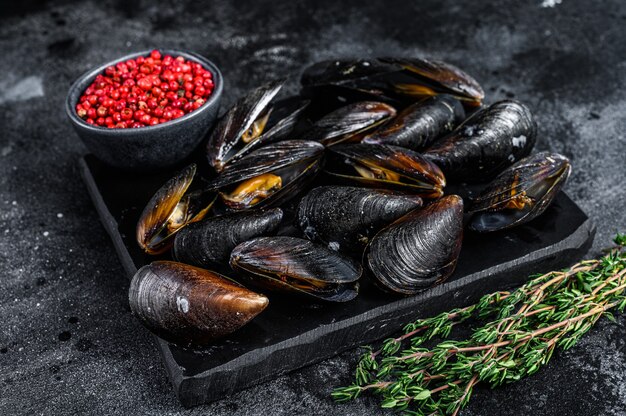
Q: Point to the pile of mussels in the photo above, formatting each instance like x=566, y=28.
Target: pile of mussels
x=382, y=137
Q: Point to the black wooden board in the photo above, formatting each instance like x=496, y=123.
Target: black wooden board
x=290, y=334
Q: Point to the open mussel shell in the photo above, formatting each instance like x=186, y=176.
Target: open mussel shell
x=390, y=77
x=180, y=201
x=270, y=175
x=389, y=167
x=420, y=124
x=521, y=193
x=294, y=265
x=246, y=122
x=420, y=249
x=349, y=123
x=187, y=305
x=486, y=143
x=429, y=77
x=280, y=124
x=345, y=218
x=208, y=243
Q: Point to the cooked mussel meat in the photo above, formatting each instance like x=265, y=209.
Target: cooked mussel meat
x=294, y=265
x=418, y=250
x=269, y=175
x=520, y=193
x=420, y=124
x=180, y=201
x=251, y=122
x=349, y=123
x=391, y=77
x=389, y=167
x=486, y=143
x=345, y=218
x=187, y=305
x=208, y=243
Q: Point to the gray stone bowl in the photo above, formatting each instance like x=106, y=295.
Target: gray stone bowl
x=151, y=148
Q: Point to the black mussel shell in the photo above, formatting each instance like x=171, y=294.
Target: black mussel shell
x=187, y=305
x=391, y=77
x=349, y=123
x=432, y=77
x=280, y=125
x=297, y=266
x=345, y=218
x=291, y=164
x=486, y=143
x=389, y=167
x=420, y=249
x=367, y=77
x=230, y=129
x=521, y=193
x=179, y=202
x=420, y=124
x=208, y=243
x=350, y=72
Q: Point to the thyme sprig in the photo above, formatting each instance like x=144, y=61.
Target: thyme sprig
x=521, y=330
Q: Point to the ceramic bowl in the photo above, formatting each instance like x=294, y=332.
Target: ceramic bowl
x=148, y=148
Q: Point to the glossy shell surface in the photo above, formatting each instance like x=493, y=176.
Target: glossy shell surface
x=486, y=143
x=345, y=218
x=296, y=266
x=187, y=305
x=420, y=249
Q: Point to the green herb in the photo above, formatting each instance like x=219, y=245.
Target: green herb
x=523, y=329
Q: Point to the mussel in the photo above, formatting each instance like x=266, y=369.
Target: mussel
x=420, y=124
x=180, y=201
x=270, y=175
x=349, y=123
x=389, y=167
x=390, y=77
x=486, y=143
x=294, y=265
x=520, y=193
x=418, y=250
x=345, y=218
x=208, y=243
x=251, y=122
x=187, y=305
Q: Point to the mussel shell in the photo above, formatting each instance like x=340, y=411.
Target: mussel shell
x=391, y=77
x=297, y=266
x=152, y=234
x=538, y=177
x=441, y=77
x=366, y=77
x=297, y=160
x=187, y=305
x=349, y=121
x=420, y=124
x=420, y=249
x=208, y=243
x=236, y=121
x=345, y=218
x=426, y=179
x=282, y=120
x=350, y=72
x=486, y=143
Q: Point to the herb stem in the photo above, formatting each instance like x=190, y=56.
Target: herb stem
x=521, y=330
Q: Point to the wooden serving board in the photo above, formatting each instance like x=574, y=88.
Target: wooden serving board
x=291, y=334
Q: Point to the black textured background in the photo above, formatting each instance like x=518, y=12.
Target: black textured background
x=68, y=344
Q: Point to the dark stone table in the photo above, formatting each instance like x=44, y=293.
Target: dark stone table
x=68, y=343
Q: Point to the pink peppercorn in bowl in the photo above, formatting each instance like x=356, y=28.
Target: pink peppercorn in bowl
x=145, y=142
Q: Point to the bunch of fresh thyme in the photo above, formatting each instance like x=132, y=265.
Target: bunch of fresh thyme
x=524, y=328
